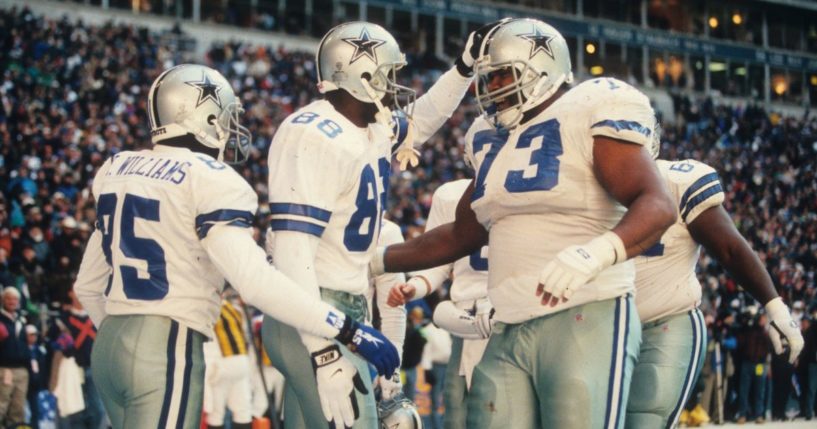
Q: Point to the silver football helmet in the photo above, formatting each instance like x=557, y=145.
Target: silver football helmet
x=535, y=55
x=363, y=59
x=398, y=413
x=197, y=100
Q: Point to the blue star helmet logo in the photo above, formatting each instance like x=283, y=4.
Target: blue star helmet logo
x=365, y=46
x=207, y=90
x=540, y=42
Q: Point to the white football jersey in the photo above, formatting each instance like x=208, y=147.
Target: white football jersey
x=665, y=273
x=536, y=193
x=153, y=207
x=471, y=272
x=328, y=178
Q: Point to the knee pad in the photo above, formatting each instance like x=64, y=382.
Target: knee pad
x=649, y=395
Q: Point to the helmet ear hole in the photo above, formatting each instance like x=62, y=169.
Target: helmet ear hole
x=211, y=119
x=367, y=76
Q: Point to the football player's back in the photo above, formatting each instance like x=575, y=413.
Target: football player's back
x=665, y=273
x=154, y=207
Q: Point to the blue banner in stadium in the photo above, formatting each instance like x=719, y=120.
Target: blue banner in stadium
x=611, y=32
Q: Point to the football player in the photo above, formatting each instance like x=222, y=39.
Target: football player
x=567, y=192
x=329, y=169
x=392, y=317
x=173, y=223
x=674, y=340
x=467, y=316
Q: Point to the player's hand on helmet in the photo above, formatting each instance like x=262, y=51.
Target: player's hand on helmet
x=465, y=62
x=401, y=294
x=574, y=266
x=403, y=130
x=337, y=379
x=389, y=386
x=783, y=330
x=370, y=344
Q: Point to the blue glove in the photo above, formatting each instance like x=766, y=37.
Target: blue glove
x=370, y=344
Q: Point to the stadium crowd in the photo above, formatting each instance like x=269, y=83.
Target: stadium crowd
x=73, y=95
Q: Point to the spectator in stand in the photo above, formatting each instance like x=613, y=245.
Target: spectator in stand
x=808, y=369
x=37, y=376
x=82, y=331
x=753, y=353
x=14, y=360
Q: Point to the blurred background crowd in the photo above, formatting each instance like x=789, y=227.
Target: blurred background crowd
x=73, y=95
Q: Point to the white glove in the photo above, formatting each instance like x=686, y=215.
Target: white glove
x=463, y=324
x=337, y=380
x=406, y=154
x=784, y=332
x=389, y=386
x=471, y=51
x=574, y=266
x=484, y=323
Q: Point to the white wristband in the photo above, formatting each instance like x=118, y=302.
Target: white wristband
x=777, y=309
x=421, y=286
x=608, y=248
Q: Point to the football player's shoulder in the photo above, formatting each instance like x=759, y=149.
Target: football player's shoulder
x=103, y=172
x=318, y=126
x=686, y=172
x=450, y=192
x=479, y=124
x=603, y=89
x=213, y=176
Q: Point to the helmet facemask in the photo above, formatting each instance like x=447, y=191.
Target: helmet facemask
x=488, y=101
x=382, y=86
x=234, y=137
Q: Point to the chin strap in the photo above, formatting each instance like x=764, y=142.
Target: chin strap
x=383, y=115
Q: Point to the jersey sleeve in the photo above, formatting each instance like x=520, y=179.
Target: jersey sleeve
x=307, y=174
x=696, y=187
x=438, y=104
x=221, y=196
x=621, y=112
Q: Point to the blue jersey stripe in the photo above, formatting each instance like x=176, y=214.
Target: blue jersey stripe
x=171, y=369
x=698, y=199
x=205, y=229
x=222, y=215
x=188, y=368
x=700, y=183
x=296, y=225
x=300, y=210
x=239, y=218
x=623, y=126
